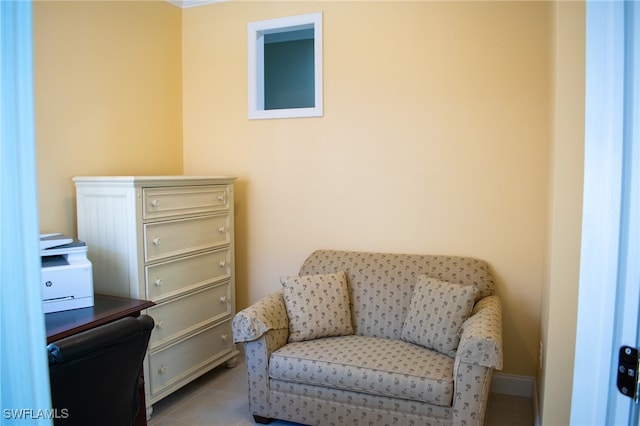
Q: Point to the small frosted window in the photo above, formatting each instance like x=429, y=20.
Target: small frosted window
x=285, y=67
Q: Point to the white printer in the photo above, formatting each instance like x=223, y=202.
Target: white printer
x=66, y=275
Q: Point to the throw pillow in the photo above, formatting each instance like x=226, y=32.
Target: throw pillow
x=317, y=306
x=437, y=311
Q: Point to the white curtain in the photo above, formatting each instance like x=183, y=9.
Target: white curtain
x=24, y=378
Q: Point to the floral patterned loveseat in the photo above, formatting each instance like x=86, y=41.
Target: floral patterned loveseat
x=374, y=339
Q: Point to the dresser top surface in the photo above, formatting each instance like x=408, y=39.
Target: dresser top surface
x=152, y=180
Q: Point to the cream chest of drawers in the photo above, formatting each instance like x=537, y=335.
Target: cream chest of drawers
x=168, y=239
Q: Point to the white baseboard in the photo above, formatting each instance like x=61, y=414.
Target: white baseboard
x=511, y=384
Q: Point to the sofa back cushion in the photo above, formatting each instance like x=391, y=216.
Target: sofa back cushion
x=381, y=284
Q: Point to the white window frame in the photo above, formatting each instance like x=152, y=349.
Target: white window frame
x=256, y=32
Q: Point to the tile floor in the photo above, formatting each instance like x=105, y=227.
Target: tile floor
x=219, y=398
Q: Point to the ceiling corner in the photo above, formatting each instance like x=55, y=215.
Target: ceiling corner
x=183, y=4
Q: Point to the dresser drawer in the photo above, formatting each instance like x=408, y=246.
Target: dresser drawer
x=182, y=315
x=177, y=237
x=175, y=276
x=179, y=361
x=188, y=200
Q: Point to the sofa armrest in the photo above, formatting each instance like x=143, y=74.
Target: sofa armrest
x=266, y=314
x=481, y=339
x=257, y=355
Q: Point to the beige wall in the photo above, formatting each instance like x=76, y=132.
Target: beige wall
x=560, y=289
x=443, y=133
x=436, y=138
x=107, y=96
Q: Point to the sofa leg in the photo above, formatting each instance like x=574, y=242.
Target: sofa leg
x=262, y=420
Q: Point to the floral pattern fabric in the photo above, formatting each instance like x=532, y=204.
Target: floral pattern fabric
x=380, y=289
x=370, y=365
x=317, y=306
x=438, y=309
x=266, y=314
x=381, y=284
x=481, y=339
x=312, y=405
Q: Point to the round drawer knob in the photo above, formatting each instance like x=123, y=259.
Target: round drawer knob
x=160, y=324
x=155, y=203
x=223, y=229
x=223, y=263
x=221, y=197
x=224, y=299
x=224, y=337
x=156, y=241
x=162, y=370
x=159, y=282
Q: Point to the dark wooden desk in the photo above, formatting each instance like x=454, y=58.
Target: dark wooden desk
x=105, y=309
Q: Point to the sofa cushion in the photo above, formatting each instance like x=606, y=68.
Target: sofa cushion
x=371, y=365
x=438, y=309
x=317, y=306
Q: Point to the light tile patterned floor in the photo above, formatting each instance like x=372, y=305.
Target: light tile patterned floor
x=219, y=398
